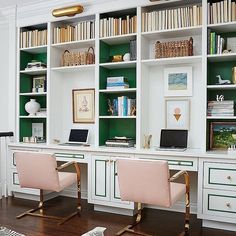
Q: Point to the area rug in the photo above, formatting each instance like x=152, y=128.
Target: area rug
x=98, y=231
x=7, y=232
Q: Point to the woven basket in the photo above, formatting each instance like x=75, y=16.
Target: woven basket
x=174, y=48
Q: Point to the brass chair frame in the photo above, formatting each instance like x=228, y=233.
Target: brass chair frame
x=40, y=207
x=129, y=228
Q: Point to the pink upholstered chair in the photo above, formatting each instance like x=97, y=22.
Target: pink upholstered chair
x=40, y=171
x=149, y=181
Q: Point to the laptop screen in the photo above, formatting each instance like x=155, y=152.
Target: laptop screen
x=78, y=135
x=173, y=138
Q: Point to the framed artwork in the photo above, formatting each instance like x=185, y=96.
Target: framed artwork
x=222, y=135
x=37, y=130
x=177, y=114
x=83, y=105
x=178, y=81
x=39, y=84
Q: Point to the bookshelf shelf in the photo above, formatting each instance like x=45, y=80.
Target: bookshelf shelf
x=35, y=50
x=34, y=72
x=117, y=117
x=221, y=117
x=116, y=65
x=173, y=33
x=33, y=94
x=68, y=69
x=223, y=27
x=221, y=57
x=173, y=60
x=224, y=87
x=75, y=44
x=109, y=91
x=118, y=39
x=33, y=117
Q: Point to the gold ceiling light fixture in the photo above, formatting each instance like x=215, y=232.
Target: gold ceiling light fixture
x=68, y=11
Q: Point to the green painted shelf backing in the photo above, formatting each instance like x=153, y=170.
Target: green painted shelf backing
x=107, y=51
x=108, y=128
x=103, y=101
x=26, y=126
x=26, y=57
x=26, y=83
x=129, y=73
x=42, y=100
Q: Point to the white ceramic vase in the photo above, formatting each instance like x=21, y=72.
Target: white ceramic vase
x=32, y=107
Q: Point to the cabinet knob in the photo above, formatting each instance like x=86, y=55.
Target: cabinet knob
x=228, y=204
x=107, y=160
x=229, y=177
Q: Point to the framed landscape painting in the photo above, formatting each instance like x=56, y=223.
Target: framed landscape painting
x=178, y=81
x=222, y=135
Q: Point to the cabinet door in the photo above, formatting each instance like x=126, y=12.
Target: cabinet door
x=101, y=178
x=115, y=191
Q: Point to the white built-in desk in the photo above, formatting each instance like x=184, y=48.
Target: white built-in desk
x=216, y=177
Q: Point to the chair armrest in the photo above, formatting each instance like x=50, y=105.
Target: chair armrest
x=179, y=174
x=74, y=163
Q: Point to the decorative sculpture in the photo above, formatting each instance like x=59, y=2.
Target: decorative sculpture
x=110, y=107
x=222, y=81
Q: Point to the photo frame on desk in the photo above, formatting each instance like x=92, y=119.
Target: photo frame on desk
x=83, y=105
x=222, y=135
x=178, y=82
x=177, y=114
x=39, y=84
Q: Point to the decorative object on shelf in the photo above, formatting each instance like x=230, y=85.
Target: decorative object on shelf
x=177, y=114
x=42, y=112
x=220, y=98
x=78, y=58
x=39, y=84
x=37, y=130
x=32, y=107
x=126, y=57
x=35, y=65
x=181, y=48
x=222, y=81
x=83, y=105
x=234, y=75
x=222, y=135
x=147, y=141
x=117, y=82
x=117, y=58
x=68, y=11
x=227, y=51
x=133, y=108
x=56, y=141
x=120, y=142
x=29, y=139
x=220, y=108
x=133, y=49
x=178, y=81
x=110, y=107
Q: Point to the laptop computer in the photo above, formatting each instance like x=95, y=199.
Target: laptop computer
x=173, y=140
x=77, y=137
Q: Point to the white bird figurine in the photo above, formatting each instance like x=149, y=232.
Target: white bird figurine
x=221, y=81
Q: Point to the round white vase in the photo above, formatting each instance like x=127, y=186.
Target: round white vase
x=32, y=107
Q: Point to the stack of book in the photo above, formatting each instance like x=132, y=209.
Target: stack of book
x=117, y=82
x=215, y=43
x=120, y=142
x=221, y=11
x=172, y=18
x=36, y=65
x=132, y=46
x=124, y=106
x=220, y=108
x=33, y=38
x=117, y=26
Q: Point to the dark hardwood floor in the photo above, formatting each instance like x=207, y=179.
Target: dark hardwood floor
x=156, y=222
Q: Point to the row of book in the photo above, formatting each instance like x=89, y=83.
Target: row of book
x=33, y=38
x=215, y=43
x=221, y=11
x=117, y=26
x=81, y=31
x=172, y=18
x=117, y=82
x=220, y=108
x=124, y=106
x=120, y=142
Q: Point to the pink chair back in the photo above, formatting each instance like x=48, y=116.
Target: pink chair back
x=37, y=170
x=144, y=181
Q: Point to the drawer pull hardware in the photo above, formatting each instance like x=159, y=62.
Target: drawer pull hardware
x=229, y=177
x=228, y=204
x=111, y=161
x=107, y=160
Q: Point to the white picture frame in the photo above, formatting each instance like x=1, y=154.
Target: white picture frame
x=178, y=82
x=37, y=130
x=177, y=114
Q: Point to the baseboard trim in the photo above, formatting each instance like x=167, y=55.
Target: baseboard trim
x=73, y=193
x=114, y=210
x=33, y=197
x=218, y=225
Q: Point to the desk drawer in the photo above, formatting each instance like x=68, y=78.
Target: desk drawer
x=70, y=155
x=219, y=203
x=220, y=176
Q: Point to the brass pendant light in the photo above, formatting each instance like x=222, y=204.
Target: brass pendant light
x=68, y=11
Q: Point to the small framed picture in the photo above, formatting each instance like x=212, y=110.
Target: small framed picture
x=83, y=105
x=178, y=81
x=39, y=84
x=222, y=135
x=177, y=114
x=37, y=130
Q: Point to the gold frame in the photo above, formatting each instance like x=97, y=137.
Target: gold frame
x=68, y=11
x=130, y=227
x=90, y=106
x=40, y=207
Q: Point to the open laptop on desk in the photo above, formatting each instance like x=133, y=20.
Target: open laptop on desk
x=77, y=137
x=173, y=140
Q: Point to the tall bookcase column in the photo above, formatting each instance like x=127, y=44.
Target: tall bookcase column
x=32, y=80
x=118, y=61
x=49, y=81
